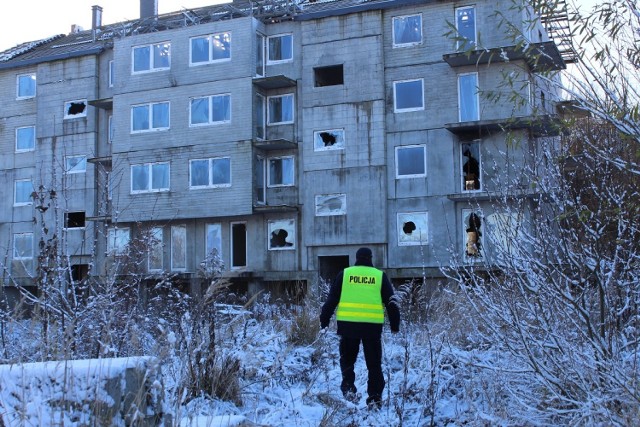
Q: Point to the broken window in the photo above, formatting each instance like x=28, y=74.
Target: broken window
x=210, y=110
x=328, y=140
x=151, y=57
x=412, y=229
x=238, y=244
x=281, y=171
x=471, y=166
x=407, y=30
x=280, y=48
x=331, y=204
x=148, y=117
x=25, y=86
x=411, y=161
x=468, y=99
x=408, y=95
x=282, y=234
x=178, y=247
x=23, y=246
x=332, y=75
x=280, y=109
x=22, y=193
x=466, y=27
x=473, y=240
x=75, y=109
x=74, y=220
x=75, y=164
x=211, y=48
x=25, y=138
x=149, y=177
x=117, y=240
x=155, y=261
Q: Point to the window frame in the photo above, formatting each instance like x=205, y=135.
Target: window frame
x=70, y=170
x=149, y=189
x=33, y=142
x=293, y=109
x=424, y=161
x=393, y=31
x=210, y=162
x=210, y=44
x=395, y=96
x=400, y=221
x=28, y=200
x=293, y=171
x=281, y=60
x=18, y=85
x=118, y=240
x=66, y=220
x=184, y=253
x=463, y=180
x=150, y=106
x=16, y=254
x=463, y=43
x=465, y=214
x=155, y=245
x=152, y=66
x=210, y=241
x=340, y=212
x=210, y=121
x=467, y=97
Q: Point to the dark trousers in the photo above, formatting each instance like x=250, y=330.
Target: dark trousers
x=349, y=348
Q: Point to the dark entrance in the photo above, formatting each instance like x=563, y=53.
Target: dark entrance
x=330, y=266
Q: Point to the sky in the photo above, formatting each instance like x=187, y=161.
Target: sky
x=28, y=20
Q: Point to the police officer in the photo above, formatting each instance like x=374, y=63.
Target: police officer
x=360, y=293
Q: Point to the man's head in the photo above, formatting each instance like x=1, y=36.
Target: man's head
x=363, y=257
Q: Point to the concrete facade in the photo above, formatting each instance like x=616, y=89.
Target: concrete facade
x=349, y=143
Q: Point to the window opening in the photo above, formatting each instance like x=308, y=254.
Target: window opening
x=259, y=116
x=150, y=177
x=412, y=228
x=471, y=170
x=23, y=246
x=473, y=230
x=211, y=48
x=117, y=240
x=150, y=117
x=75, y=164
x=260, y=46
x=214, y=240
x=79, y=272
x=332, y=75
x=407, y=30
x=261, y=179
x=23, y=191
x=151, y=57
x=75, y=109
x=282, y=234
x=238, y=245
x=215, y=172
x=74, y=220
x=210, y=110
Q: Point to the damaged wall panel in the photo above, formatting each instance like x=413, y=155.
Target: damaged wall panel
x=413, y=229
x=282, y=234
x=332, y=139
x=331, y=204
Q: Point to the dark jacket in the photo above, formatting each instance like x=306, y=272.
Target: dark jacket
x=360, y=329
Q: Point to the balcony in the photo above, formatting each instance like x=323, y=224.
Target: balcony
x=275, y=144
x=540, y=57
x=540, y=126
x=274, y=82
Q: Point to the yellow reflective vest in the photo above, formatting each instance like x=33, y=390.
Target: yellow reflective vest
x=360, y=300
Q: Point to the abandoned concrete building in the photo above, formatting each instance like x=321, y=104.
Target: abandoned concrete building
x=280, y=135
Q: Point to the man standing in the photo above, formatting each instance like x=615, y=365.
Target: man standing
x=360, y=293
